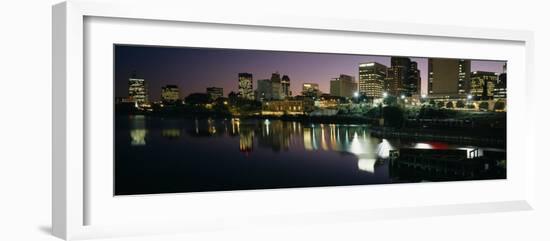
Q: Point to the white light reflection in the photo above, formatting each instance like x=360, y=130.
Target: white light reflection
x=423, y=146
x=384, y=149
x=366, y=165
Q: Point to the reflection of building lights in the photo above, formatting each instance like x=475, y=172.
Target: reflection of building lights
x=266, y=123
x=307, y=139
x=324, y=145
x=422, y=146
x=384, y=148
x=138, y=137
x=196, y=126
x=171, y=133
x=356, y=146
x=366, y=165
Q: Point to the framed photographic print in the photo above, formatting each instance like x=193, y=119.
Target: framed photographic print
x=172, y=121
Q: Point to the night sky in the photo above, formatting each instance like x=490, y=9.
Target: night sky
x=194, y=69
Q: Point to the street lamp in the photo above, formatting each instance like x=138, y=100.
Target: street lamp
x=356, y=94
x=385, y=94
x=469, y=97
x=402, y=96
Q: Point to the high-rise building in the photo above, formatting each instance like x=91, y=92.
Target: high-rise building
x=448, y=76
x=214, y=92
x=137, y=90
x=310, y=90
x=276, y=87
x=264, y=90
x=270, y=89
x=343, y=86
x=482, y=84
x=245, y=86
x=500, y=87
x=412, y=84
x=463, y=76
x=170, y=94
x=397, y=75
x=285, y=85
x=371, y=79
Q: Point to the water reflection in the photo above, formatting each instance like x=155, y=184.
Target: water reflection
x=137, y=130
x=179, y=154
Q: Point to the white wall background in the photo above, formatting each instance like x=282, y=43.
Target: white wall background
x=25, y=119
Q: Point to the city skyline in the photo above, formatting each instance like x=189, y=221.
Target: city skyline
x=194, y=69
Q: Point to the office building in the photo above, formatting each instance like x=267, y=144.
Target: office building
x=137, y=91
x=371, y=79
x=245, y=86
x=482, y=84
x=448, y=76
x=500, y=88
x=285, y=85
x=170, y=94
x=343, y=86
x=412, y=84
x=463, y=76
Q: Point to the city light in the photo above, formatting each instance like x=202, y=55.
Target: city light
x=385, y=94
x=402, y=96
x=424, y=96
x=469, y=97
x=356, y=94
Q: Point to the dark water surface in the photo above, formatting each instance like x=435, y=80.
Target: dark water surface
x=168, y=155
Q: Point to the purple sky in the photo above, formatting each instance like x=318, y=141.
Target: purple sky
x=194, y=69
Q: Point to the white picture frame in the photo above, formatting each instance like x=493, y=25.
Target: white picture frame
x=72, y=189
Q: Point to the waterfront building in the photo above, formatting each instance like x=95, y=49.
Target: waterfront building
x=137, y=91
x=482, y=84
x=371, y=79
x=343, y=86
x=214, y=92
x=170, y=94
x=289, y=106
x=245, y=86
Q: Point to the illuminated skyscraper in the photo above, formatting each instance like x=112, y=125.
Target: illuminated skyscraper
x=245, y=86
x=137, y=90
x=170, y=94
x=371, y=79
x=412, y=83
x=398, y=75
x=343, y=86
x=483, y=84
